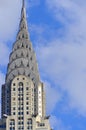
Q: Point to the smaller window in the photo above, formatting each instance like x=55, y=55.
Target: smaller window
x=22, y=122
x=19, y=108
x=32, y=79
x=13, y=113
x=14, y=108
x=19, y=123
x=23, y=36
x=20, y=113
x=27, y=98
x=22, y=108
x=27, y=112
x=27, y=88
x=22, y=45
x=27, y=103
x=23, y=78
x=20, y=84
x=28, y=75
x=27, y=108
x=14, y=89
x=14, y=84
x=31, y=58
x=27, y=65
x=14, y=99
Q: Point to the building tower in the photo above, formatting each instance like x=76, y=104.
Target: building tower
x=23, y=96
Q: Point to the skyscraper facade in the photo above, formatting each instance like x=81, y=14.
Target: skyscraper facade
x=23, y=95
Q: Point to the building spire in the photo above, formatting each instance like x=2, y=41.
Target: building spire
x=23, y=13
x=23, y=3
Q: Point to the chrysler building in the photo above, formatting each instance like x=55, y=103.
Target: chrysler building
x=23, y=94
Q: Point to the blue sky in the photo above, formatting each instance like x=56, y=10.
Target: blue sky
x=58, y=34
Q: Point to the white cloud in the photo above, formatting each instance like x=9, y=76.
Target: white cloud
x=72, y=15
x=64, y=60
x=9, y=18
x=65, y=64
x=58, y=124
x=51, y=92
x=10, y=11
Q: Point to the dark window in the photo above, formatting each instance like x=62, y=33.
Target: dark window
x=27, y=98
x=13, y=113
x=23, y=36
x=14, y=84
x=31, y=58
x=27, y=103
x=14, y=89
x=27, y=108
x=23, y=78
x=27, y=112
x=27, y=65
x=27, y=88
x=20, y=84
x=14, y=108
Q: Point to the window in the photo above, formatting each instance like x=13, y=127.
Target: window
x=14, y=89
x=28, y=75
x=27, y=65
x=26, y=46
x=22, y=122
x=20, y=89
x=14, y=84
x=23, y=78
x=20, y=118
x=27, y=88
x=27, y=103
x=27, y=112
x=20, y=113
x=20, y=84
x=11, y=128
x=22, y=35
x=13, y=99
x=32, y=79
x=27, y=108
x=31, y=58
x=14, y=108
x=21, y=108
x=13, y=113
x=27, y=98
x=20, y=99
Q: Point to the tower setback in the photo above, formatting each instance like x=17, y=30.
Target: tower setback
x=23, y=95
